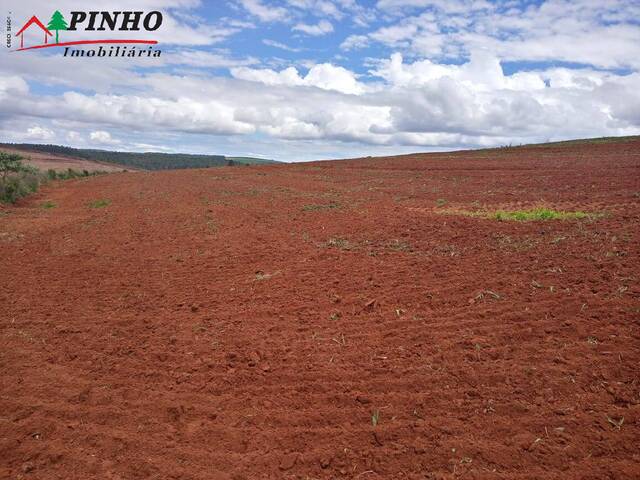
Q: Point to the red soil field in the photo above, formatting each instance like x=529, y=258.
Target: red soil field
x=250, y=323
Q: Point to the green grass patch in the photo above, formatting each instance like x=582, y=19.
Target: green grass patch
x=100, y=203
x=537, y=214
x=341, y=243
x=48, y=205
x=527, y=215
x=399, y=246
x=314, y=207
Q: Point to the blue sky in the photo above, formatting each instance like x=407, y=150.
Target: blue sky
x=299, y=80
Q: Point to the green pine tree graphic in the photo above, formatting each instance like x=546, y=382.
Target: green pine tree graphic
x=57, y=23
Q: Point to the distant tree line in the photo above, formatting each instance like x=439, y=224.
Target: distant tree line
x=157, y=161
x=145, y=161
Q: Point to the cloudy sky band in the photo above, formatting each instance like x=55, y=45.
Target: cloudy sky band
x=307, y=79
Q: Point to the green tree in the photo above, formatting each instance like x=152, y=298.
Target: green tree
x=57, y=23
x=10, y=163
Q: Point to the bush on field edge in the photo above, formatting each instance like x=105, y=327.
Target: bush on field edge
x=18, y=180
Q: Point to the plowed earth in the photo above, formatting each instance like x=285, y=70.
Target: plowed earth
x=249, y=323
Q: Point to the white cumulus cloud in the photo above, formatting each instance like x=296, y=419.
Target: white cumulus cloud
x=101, y=136
x=39, y=133
x=321, y=28
x=325, y=76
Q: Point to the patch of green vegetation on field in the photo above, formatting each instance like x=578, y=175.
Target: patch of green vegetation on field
x=340, y=243
x=48, y=205
x=316, y=207
x=100, y=203
x=70, y=174
x=527, y=215
x=399, y=246
x=536, y=214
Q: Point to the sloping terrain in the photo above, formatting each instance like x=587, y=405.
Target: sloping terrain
x=132, y=160
x=48, y=161
x=327, y=320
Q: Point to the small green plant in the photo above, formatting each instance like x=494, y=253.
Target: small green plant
x=100, y=203
x=375, y=417
x=441, y=202
x=48, y=204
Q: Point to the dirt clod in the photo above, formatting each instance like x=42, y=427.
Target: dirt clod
x=288, y=461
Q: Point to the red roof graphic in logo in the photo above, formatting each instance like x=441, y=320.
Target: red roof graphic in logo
x=31, y=21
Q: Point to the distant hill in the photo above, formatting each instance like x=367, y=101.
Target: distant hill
x=581, y=141
x=560, y=143
x=144, y=161
x=50, y=161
